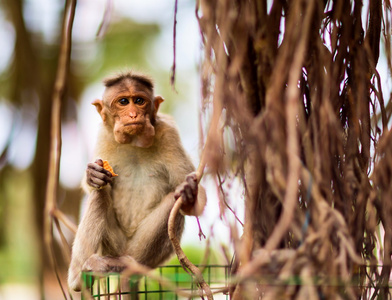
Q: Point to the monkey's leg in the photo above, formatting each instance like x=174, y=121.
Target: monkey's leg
x=150, y=245
x=107, y=264
x=97, y=232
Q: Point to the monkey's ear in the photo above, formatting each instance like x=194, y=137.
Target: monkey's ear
x=157, y=101
x=99, y=106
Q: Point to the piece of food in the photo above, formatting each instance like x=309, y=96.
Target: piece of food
x=106, y=166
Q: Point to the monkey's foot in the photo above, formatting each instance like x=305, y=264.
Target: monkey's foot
x=105, y=264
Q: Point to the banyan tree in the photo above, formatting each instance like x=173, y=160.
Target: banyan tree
x=301, y=114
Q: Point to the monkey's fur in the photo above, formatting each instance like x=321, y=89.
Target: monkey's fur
x=126, y=216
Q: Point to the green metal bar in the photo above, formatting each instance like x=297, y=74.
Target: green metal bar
x=108, y=285
x=160, y=285
x=176, y=279
x=145, y=287
x=120, y=292
x=99, y=290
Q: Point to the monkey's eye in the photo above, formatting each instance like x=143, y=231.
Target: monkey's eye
x=139, y=101
x=123, y=101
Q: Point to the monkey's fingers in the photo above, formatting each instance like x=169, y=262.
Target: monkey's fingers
x=186, y=192
x=98, y=166
x=96, y=183
x=99, y=162
x=178, y=191
x=191, y=179
x=97, y=176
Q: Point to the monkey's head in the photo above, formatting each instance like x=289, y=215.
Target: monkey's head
x=129, y=109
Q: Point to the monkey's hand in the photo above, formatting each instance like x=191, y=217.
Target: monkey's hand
x=97, y=176
x=188, y=191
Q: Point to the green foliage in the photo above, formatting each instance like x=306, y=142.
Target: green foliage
x=196, y=256
x=126, y=44
x=18, y=253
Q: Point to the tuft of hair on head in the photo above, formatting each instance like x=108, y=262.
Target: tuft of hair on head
x=138, y=77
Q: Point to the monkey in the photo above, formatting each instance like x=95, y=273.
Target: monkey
x=126, y=216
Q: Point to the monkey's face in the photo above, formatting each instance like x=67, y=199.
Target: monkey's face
x=129, y=109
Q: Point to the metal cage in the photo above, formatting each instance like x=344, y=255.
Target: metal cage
x=174, y=282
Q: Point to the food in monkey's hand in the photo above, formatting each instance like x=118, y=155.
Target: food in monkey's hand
x=108, y=167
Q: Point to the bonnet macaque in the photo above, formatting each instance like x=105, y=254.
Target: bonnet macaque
x=126, y=216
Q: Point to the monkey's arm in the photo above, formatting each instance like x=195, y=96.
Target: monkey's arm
x=98, y=230
x=180, y=167
x=98, y=227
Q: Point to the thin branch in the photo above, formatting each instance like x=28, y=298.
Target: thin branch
x=105, y=20
x=183, y=259
x=173, y=76
x=65, y=220
x=55, y=142
x=66, y=249
x=224, y=199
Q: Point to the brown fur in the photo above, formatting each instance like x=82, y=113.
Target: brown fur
x=127, y=215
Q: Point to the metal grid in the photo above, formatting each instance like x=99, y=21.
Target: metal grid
x=109, y=286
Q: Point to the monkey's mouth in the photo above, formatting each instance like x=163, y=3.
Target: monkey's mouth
x=133, y=124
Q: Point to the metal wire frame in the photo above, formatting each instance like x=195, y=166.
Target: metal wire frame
x=109, y=286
